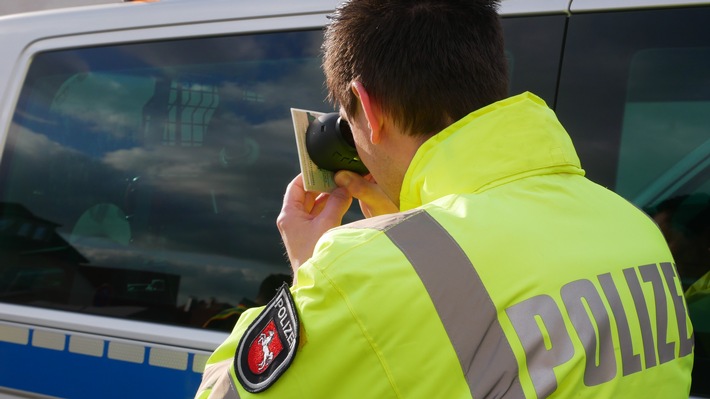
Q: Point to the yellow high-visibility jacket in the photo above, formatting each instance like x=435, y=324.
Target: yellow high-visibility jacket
x=507, y=274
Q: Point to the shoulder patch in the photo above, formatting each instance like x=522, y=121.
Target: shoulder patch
x=268, y=346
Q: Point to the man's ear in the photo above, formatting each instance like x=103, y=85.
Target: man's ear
x=373, y=112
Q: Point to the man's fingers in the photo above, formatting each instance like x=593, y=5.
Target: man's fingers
x=304, y=217
x=373, y=201
x=297, y=197
x=338, y=202
x=355, y=184
x=295, y=192
x=319, y=204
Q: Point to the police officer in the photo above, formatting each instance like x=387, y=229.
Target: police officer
x=487, y=266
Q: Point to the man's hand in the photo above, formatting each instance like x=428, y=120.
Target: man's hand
x=373, y=201
x=306, y=216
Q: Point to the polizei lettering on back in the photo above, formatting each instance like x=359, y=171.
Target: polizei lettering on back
x=548, y=343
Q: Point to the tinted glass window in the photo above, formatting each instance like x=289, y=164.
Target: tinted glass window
x=143, y=181
x=635, y=97
x=534, y=46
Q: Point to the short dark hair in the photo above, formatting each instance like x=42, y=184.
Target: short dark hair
x=427, y=63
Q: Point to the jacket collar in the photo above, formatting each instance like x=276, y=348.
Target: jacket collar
x=505, y=141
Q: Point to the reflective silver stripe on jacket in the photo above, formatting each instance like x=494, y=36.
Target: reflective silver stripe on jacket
x=462, y=302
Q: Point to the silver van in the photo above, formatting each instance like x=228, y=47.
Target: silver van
x=145, y=148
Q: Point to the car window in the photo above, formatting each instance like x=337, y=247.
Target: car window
x=635, y=97
x=534, y=47
x=143, y=181
x=664, y=136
